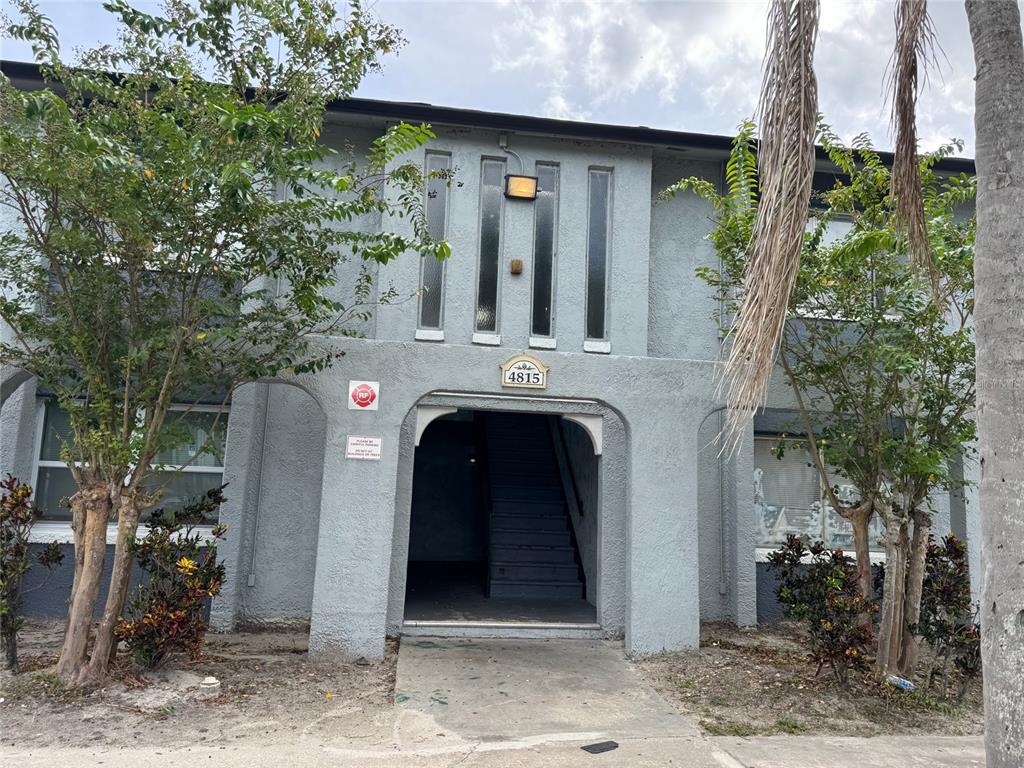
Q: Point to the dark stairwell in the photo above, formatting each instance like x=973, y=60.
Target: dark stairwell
x=531, y=549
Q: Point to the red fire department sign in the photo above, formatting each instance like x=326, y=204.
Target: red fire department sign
x=363, y=395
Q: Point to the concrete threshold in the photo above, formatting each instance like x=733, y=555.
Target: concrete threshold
x=511, y=630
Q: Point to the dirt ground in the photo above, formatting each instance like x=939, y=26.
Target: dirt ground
x=746, y=682
x=269, y=688
x=741, y=683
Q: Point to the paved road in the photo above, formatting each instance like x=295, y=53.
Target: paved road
x=760, y=752
x=521, y=704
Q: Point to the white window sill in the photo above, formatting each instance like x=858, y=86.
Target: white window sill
x=490, y=339
x=429, y=334
x=542, y=342
x=599, y=347
x=45, y=531
x=761, y=555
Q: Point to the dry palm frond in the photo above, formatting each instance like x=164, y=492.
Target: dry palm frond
x=788, y=117
x=915, y=46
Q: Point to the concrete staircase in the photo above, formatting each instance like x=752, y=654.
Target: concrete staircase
x=532, y=553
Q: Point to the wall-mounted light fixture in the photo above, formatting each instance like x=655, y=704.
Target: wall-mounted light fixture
x=521, y=187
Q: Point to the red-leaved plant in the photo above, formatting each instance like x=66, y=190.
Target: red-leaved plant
x=948, y=620
x=17, y=516
x=819, y=587
x=167, y=612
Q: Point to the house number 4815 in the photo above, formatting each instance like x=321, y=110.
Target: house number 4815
x=524, y=371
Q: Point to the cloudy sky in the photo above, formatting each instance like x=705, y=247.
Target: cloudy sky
x=686, y=65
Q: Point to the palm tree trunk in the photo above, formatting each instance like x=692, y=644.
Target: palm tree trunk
x=999, y=322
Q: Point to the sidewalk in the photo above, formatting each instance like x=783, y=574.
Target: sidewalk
x=685, y=752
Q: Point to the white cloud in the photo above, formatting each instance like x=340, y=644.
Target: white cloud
x=691, y=65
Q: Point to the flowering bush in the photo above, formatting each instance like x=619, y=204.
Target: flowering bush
x=167, y=612
x=17, y=516
x=948, y=620
x=819, y=587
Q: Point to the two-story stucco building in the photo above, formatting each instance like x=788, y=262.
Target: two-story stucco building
x=521, y=444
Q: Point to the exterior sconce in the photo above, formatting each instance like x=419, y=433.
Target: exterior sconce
x=521, y=187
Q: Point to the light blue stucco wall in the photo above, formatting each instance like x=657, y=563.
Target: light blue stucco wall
x=358, y=501
x=681, y=308
x=315, y=537
x=628, y=257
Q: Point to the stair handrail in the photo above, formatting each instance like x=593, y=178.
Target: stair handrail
x=565, y=472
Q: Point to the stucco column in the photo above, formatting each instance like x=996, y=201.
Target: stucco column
x=242, y=458
x=663, y=611
x=744, y=539
x=357, y=515
x=18, y=431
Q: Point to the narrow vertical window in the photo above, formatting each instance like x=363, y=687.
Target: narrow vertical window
x=545, y=223
x=599, y=218
x=492, y=176
x=436, y=208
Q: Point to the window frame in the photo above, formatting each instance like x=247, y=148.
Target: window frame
x=592, y=343
x=803, y=312
x=548, y=340
x=45, y=531
x=489, y=336
x=425, y=332
x=761, y=549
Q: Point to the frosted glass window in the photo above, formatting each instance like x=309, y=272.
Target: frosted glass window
x=599, y=218
x=545, y=224
x=492, y=177
x=436, y=208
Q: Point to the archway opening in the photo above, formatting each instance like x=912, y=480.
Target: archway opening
x=496, y=527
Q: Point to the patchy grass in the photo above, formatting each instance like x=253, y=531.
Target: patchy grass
x=789, y=725
x=746, y=682
x=729, y=728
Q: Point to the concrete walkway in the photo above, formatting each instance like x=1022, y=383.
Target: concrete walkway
x=521, y=704
x=556, y=690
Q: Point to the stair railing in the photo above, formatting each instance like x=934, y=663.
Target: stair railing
x=565, y=473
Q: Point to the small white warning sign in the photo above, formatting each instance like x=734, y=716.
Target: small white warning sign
x=363, y=447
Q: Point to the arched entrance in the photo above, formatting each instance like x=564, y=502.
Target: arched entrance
x=505, y=525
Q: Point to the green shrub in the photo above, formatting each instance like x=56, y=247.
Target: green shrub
x=17, y=516
x=166, y=613
x=948, y=620
x=818, y=586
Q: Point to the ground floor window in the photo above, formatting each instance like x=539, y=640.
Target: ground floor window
x=790, y=498
x=188, y=471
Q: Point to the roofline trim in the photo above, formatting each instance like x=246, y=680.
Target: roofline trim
x=501, y=121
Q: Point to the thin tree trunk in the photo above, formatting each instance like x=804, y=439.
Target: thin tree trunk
x=8, y=624
x=95, y=500
x=860, y=520
x=891, y=625
x=78, y=529
x=8, y=635
x=914, y=586
x=103, y=649
x=999, y=323
x=10, y=643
